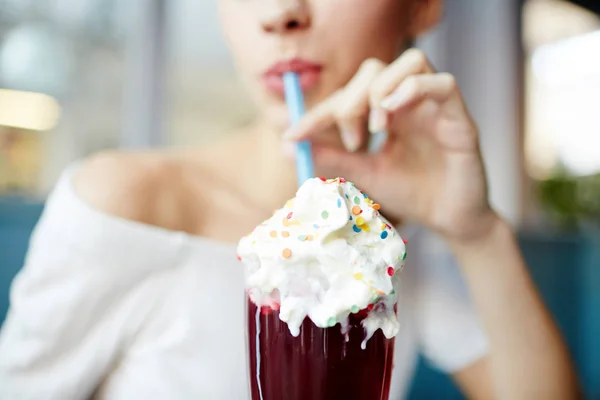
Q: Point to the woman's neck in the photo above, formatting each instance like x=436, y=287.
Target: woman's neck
x=253, y=161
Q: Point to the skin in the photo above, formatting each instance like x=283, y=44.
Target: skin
x=429, y=169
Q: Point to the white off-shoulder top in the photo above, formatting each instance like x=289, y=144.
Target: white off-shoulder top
x=108, y=308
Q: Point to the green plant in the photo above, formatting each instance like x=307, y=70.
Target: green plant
x=571, y=200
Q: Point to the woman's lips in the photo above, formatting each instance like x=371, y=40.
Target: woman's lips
x=308, y=72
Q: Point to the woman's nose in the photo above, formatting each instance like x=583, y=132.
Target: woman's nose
x=283, y=16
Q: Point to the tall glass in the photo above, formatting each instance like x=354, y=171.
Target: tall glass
x=319, y=364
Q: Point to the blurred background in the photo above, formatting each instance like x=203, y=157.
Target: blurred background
x=79, y=76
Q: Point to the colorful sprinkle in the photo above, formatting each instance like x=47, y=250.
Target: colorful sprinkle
x=273, y=234
x=370, y=307
x=380, y=292
x=362, y=224
x=324, y=214
x=382, y=227
x=376, y=207
x=289, y=204
x=358, y=276
x=322, y=178
x=287, y=253
x=365, y=196
x=356, y=210
x=302, y=238
x=331, y=321
x=238, y=257
x=289, y=216
x=356, y=228
x=354, y=309
x=351, y=218
x=356, y=200
x=290, y=222
x=339, y=203
x=285, y=234
x=388, y=226
x=405, y=241
x=404, y=256
x=390, y=271
x=346, y=195
x=384, y=234
x=310, y=237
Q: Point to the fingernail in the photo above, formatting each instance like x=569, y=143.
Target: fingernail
x=377, y=141
x=396, y=99
x=377, y=120
x=290, y=134
x=288, y=148
x=350, y=140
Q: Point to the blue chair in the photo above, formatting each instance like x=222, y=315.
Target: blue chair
x=17, y=219
x=566, y=269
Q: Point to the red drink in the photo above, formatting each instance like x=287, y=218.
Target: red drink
x=327, y=252
x=319, y=364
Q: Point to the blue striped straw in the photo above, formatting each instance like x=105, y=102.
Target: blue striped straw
x=295, y=102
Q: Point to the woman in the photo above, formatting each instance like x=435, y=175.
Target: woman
x=131, y=289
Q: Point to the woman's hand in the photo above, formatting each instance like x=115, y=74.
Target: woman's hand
x=424, y=161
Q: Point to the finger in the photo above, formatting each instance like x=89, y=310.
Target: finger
x=321, y=117
x=411, y=62
x=416, y=88
x=353, y=107
x=348, y=108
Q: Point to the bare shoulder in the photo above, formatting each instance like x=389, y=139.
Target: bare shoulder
x=139, y=187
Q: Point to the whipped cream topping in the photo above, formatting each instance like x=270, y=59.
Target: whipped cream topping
x=326, y=254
